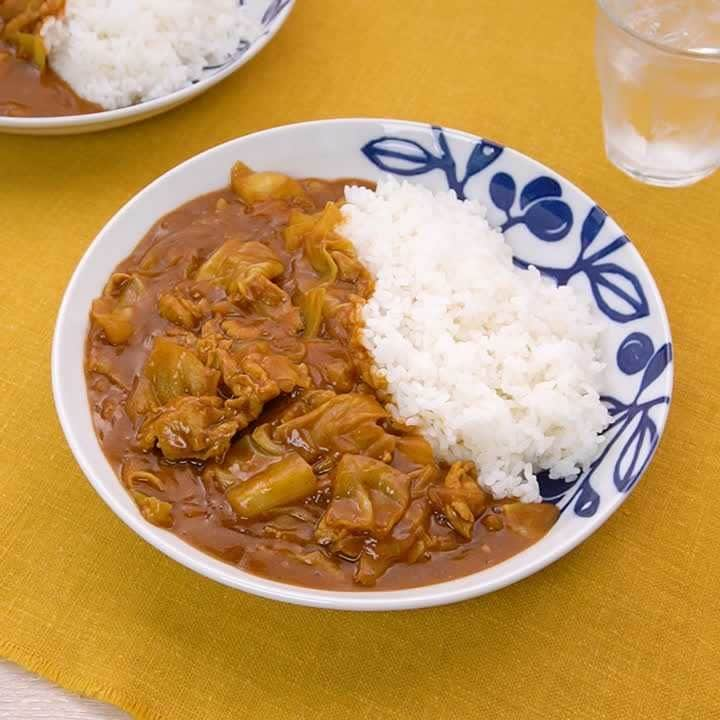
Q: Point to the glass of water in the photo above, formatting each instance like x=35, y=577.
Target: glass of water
x=659, y=68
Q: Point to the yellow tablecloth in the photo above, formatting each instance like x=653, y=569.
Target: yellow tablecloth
x=627, y=626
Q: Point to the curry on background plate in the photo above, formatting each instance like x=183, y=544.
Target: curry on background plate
x=28, y=86
x=233, y=396
x=75, y=57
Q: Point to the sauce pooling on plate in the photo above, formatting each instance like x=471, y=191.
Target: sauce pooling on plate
x=233, y=397
x=28, y=86
x=26, y=91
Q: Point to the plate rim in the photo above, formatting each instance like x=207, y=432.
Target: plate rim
x=236, y=578
x=148, y=108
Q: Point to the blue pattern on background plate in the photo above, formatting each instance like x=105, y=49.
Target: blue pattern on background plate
x=270, y=15
x=273, y=10
x=542, y=213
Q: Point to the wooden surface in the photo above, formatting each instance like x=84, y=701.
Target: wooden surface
x=24, y=696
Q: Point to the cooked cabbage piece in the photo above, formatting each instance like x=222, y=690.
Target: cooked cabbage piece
x=311, y=307
x=236, y=263
x=174, y=370
x=346, y=423
x=287, y=481
x=321, y=245
x=368, y=496
x=314, y=227
x=20, y=23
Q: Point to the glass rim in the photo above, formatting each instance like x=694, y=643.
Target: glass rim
x=712, y=55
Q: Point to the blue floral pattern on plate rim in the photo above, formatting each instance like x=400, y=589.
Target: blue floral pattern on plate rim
x=269, y=13
x=640, y=369
x=554, y=226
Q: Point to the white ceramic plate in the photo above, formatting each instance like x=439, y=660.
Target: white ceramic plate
x=548, y=222
x=270, y=14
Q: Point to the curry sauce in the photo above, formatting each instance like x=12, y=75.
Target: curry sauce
x=26, y=91
x=233, y=397
x=28, y=86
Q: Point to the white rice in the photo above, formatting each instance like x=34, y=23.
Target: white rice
x=493, y=363
x=119, y=52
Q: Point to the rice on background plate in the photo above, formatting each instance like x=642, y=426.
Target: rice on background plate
x=493, y=363
x=120, y=52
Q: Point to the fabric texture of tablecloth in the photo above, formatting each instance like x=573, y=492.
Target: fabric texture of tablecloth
x=625, y=627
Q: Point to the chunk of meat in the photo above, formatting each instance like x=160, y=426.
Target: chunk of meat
x=250, y=369
x=280, y=330
x=460, y=499
x=261, y=296
x=189, y=427
x=330, y=365
x=142, y=399
x=154, y=510
x=346, y=423
x=281, y=370
x=407, y=542
x=422, y=479
x=368, y=496
x=262, y=304
x=263, y=374
x=182, y=310
x=294, y=524
x=343, y=316
x=343, y=544
x=256, y=376
x=243, y=460
x=239, y=330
